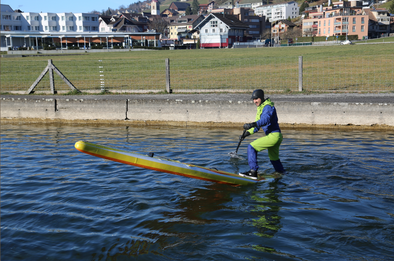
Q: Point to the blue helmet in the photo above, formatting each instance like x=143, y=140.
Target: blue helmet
x=259, y=93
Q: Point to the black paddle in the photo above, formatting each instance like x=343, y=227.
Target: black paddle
x=234, y=154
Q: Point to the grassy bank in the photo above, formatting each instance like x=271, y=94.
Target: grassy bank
x=328, y=68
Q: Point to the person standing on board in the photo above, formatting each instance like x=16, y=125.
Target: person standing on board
x=267, y=119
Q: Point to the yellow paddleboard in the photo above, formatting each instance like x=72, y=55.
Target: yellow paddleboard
x=167, y=166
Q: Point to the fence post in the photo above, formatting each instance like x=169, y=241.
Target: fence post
x=300, y=73
x=168, y=85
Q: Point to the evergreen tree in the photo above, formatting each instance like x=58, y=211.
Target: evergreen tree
x=195, y=6
x=304, y=6
x=391, y=8
x=188, y=11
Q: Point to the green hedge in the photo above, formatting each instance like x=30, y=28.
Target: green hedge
x=321, y=39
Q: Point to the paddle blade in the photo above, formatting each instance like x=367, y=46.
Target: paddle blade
x=234, y=155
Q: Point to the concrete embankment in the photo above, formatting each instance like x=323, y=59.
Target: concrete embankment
x=322, y=111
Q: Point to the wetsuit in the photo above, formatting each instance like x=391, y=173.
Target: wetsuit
x=267, y=119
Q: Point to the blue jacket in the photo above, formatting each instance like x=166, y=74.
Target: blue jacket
x=266, y=118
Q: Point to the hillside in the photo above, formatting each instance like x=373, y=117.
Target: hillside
x=141, y=5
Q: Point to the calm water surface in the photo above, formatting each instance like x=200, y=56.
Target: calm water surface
x=336, y=202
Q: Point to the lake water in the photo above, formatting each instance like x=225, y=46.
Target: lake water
x=335, y=203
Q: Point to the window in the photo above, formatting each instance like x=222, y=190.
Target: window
x=46, y=28
x=27, y=18
x=206, y=31
x=36, y=18
x=213, y=30
x=362, y=20
x=18, y=28
x=79, y=18
x=6, y=17
x=329, y=22
x=71, y=28
x=17, y=18
x=221, y=30
x=80, y=28
x=362, y=28
x=53, y=28
x=86, y=28
x=94, y=19
x=102, y=29
x=37, y=28
x=63, y=28
x=353, y=28
x=214, y=23
x=328, y=30
x=324, y=31
x=7, y=27
x=324, y=22
x=354, y=20
x=70, y=18
x=45, y=18
x=94, y=28
x=53, y=18
x=86, y=18
x=28, y=28
x=62, y=18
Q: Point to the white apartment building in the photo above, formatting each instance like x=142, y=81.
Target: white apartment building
x=275, y=12
x=59, y=22
x=23, y=28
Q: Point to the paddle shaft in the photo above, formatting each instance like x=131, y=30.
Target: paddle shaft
x=239, y=143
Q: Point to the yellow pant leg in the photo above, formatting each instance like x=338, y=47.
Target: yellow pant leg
x=271, y=142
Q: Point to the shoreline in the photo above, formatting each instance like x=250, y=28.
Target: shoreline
x=317, y=111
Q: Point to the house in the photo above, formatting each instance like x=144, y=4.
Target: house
x=275, y=12
x=169, y=13
x=379, y=22
x=206, y=8
x=121, y=23
x=180, y=27
x=180, y=7
x=256, y=24
x=221, y=31
x=226, y=5
x=336, y=20
x=281, y=27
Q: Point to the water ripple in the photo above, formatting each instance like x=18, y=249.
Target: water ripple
x=335, y=203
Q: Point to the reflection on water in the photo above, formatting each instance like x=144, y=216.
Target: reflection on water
x=336, y=202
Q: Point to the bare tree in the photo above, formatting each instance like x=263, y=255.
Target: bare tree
x=158, y=24
x=293, y=33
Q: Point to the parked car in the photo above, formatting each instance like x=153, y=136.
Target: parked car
x=347, y=42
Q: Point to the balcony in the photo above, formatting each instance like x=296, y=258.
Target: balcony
x=181, y=30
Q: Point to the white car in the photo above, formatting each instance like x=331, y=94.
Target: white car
x=346, y=42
